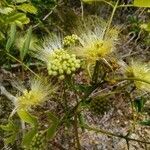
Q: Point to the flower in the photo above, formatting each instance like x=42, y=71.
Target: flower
x=58, y=60
x=70, y=40
x=95, y=42
x=139, y=71
x=39, y=92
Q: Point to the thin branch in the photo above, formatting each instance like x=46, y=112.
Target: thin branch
x=133, y=79
x=109, y=3
x=23, y=64
x=113, y=134
x=45, y=17
x=7, y=94
x=76, y=131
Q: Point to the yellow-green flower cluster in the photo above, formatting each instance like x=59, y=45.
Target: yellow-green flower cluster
x=98, y=49
x=62, y=63
x=70, y=40
x=142, y=72
x=95, y=42
x=40, y=91
x=38, y=142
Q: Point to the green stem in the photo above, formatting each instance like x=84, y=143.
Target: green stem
x=110, y=4
x=96, y=73
x=133, y=79
x=23, y=64
x=113, y=134
x=111, y=18
x=76, y=131
x=129, y=5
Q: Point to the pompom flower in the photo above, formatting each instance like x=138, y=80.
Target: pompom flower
x=39, y=92
x=58, y=60
x=95, y=43
x=139, y=71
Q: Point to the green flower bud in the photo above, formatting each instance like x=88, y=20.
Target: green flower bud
x=77, y=65
x=54, y=73
x=68, y=71
x=61, y=71
x=62, y=77
x=73, y=69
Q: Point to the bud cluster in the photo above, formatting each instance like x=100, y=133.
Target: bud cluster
x=62, y=63
x=70, y=40
x=38, y=142
x=100, y=106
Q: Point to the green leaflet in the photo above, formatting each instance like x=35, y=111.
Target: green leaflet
x=6, y=10
x=25, y=48
x=27, y=117
x=142, y=3
x=27, y=139
x=146, y=122
x=27, y=8
x=53, y=128
x=139, y=104
x=12, y=130
x=20, y=1
x=9, y=127
x=17, y=18
x=11, y=139
x=11, y=38
x=2, y=36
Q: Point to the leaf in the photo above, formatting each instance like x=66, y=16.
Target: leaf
x=88, y=1
x=142, y=3
x=26, y=44
x=147, y=122
x=27, y=8
x=139, y=104
x=6, y=10
x=19, y=1
x=146, y=26
x=11, y=139
x=17, y=17
x=9, y=127
x=27, y=139
x=27, y=117
x=2, y=36
x=11, y=37
x=53, y=128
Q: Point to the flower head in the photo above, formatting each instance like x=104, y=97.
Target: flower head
x=40, y=91
x=58, y=60
x=139, y=71
x=95, y=43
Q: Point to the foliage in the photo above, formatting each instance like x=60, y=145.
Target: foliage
x=89, y=50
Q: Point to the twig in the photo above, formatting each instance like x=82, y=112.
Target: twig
x=113, y=134
x=23, y=64
x=45, y=17
x=133, y=79
x=7, y=94
x=76, y=131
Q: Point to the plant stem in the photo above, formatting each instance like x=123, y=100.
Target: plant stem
x=109, y=3
x=96, y=67
x=76, y=131
x=133, y=79
x=96, y=73
x=113, y=134
x=132, y=106
x=23, y=64
x=129, y=5
x=111, y=18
